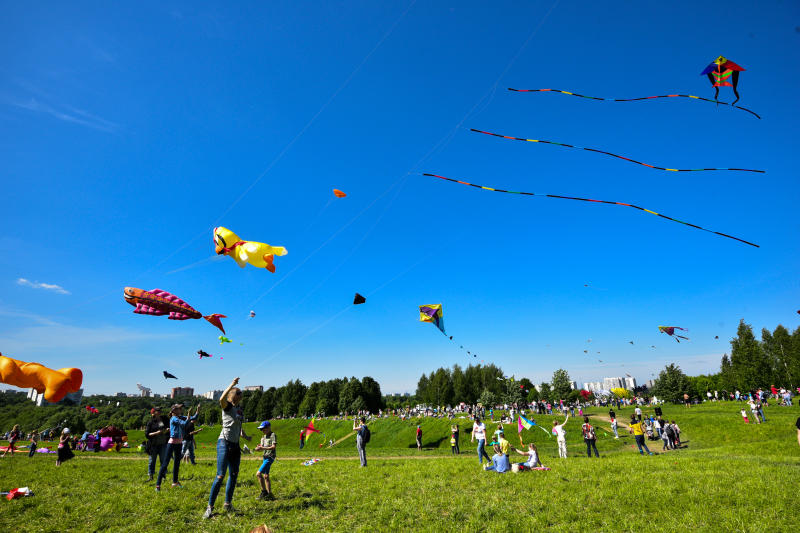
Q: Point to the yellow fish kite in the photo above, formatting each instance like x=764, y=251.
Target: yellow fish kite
x=258, y=254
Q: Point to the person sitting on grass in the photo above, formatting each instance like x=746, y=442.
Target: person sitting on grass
x=268, y=444
x=500, y=461
x=533, y=457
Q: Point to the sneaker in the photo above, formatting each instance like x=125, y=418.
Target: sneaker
x=158, y=488
x=149, y=479
x=263, y=495
x=177, y=486
x=269, y=497
x=651, y=453
x=228, y=508
x=209, y=512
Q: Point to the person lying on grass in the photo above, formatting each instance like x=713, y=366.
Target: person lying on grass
x=500, y=461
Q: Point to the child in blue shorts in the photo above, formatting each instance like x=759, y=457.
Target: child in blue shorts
x=268, y=443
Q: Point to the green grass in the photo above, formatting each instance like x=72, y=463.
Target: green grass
x=731, y=476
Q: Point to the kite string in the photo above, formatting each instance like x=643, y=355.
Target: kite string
x=635, y=99
x=559, y=197
x=612, y=155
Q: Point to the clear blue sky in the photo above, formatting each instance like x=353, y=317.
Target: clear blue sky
x=128, y=132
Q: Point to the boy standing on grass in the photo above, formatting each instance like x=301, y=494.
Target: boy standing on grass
x=268, y=444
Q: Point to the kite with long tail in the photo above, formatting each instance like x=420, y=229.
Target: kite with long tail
x=596, y=201
x=636, y=99
x=723, y=72
x=670, y=330
x=613, y=155
x=432, y=313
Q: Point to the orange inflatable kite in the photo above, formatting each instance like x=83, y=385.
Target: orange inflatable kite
x=338, y=193
x=54, y=383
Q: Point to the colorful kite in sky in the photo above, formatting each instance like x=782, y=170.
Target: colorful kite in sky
x=723, y=72
x=433, y=314
x=202, y=354
x=594, y=201
x=158, y=303
x=55, y=384
x=258, y=254
x=92, y=409
x=358, y=299
x=338, y=193
x=613, y=155
x=670, y=330
x=223, y=339
x=167, y=375
x=635, y=99
x=252, y=314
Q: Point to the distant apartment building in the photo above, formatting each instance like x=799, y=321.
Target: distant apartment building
x=12, y=392
x=573, y=385
x=73, y=398
x=182, y=391
x=259, y=388
x=613, y=383
x=213, y=395
x=630, y=383
x=121, y=395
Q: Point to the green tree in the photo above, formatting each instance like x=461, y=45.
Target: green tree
x=561, y=384
x=460, y=385
x=348, y=394
x=371, y=391
x=309, y=404
x=545, y=393
x=750, y=365
x=672, y=384
x=251, y=404
x=487, y=399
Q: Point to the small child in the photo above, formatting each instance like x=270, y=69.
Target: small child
x=744, y=415
x=533, y=456
x=64, y=450
x=34, y=443
x=268, y=444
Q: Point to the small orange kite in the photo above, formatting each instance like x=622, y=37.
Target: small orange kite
x=338, y=193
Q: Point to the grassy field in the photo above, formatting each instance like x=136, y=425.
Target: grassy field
x=731, y=476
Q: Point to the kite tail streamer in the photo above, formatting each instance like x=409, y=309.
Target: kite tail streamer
x=595, y=201
x=635, y=99
x=613, y=155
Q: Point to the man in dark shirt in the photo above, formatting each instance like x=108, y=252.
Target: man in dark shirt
x=187, y=452
x=658, y=411
x=156, y=432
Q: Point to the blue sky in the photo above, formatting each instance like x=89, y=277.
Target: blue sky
x=129, y=132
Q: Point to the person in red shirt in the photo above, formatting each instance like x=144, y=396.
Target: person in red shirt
x=419, y=438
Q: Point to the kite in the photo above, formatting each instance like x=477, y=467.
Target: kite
x=158, y=303
x=167, y=375
x=670, y=330
x=92, y=409
x=719, y=72
x=586, y=351
x=55, y=384
x=631, y=342
x=635, y=99
x=258, y=254
x=652, y=346
x=223, y=339
x=308, y=430
x=338, y=193
x=716, y=337
x=433, y=314
x=614, y=155
x=358, y=299
x=595, y=201
x=252, y=314
x=202, y=354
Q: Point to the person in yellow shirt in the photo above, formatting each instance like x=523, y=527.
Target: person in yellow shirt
x=638, y=434
x=504, y=444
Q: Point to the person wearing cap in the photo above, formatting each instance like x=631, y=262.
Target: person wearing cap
x=156, y=433
x=229, y=454
x=177, y=429
x=268, y=444
x=64, y=450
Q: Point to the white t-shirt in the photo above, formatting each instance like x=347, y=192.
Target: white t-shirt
x=533, y=457
x=479, y=431
x=638, y=411
x=559, y=431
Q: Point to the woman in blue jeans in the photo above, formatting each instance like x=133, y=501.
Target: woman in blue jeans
x=479, y=433
x=228, y=452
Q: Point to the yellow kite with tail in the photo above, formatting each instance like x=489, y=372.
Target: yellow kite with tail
x=258, y=254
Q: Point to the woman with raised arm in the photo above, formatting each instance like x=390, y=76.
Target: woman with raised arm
x=228, y=452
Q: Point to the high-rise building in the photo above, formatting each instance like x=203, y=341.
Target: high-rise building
x=612, y=383
x=213, y=395
x=259, y=388
x=182, y=391
x=573, y=385
x=630, y=383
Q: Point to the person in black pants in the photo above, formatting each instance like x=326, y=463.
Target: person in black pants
x=455, y=431
x=589, y=437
